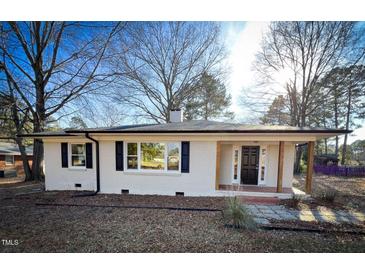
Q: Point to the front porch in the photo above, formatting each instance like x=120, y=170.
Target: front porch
x=261, y=169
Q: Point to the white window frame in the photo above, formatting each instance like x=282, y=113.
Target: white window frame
x=262, y=182
x=9, y=163
x=139, y=169
x=239, y=148
x=126, y=157
x=70, y=155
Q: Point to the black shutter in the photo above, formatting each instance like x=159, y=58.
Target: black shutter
x=64, y=154
x=89, y=155
x=185, y=157
x=119, y=155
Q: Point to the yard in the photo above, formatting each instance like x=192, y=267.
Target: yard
x=91, y=226
x=349, y=192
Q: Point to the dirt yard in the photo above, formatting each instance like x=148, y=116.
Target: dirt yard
x=349, y=192
x=27, y=225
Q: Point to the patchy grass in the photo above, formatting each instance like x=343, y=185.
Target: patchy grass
x=102, y=229
x=336, y=191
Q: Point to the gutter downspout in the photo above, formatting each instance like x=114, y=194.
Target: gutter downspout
x=97, y=161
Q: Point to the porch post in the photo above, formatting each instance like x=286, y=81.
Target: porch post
x=310, y=160
x=218, y=165
x=279, y=186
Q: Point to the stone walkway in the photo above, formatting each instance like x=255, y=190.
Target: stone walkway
x=264, y=213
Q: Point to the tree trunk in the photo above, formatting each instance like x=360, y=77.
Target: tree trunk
x=336, y=124
x=325, y=146
x=344, y=147
x=24, y=156
x=298, y=157
x=19, y=140
x=37, y=167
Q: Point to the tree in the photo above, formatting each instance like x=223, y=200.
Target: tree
x=358, y=151
x=161, y=64
x=77, y=123
x=51, y=64
x=14, y=121
x=210, y=100
x=277, y=114
x=345, y=99
x=303, y=52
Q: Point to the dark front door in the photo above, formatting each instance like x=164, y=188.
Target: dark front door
x=250, y=165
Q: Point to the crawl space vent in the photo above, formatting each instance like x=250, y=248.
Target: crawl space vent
x=179, y=193
x=77, y=185
x=125, y=191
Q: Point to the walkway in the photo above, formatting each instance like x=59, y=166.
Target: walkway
x=264, y=213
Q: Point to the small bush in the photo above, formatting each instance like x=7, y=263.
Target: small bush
x=238, y=215
x=328, y=196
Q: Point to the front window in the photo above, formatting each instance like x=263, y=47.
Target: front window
x=153, y=156
x=173, y=156
x=9, y=160
x=132, y=156
x=78, y=155
x=235, y=164
x=263, y=159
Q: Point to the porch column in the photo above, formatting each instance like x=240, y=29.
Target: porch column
x=218, y=165
x=279, y=186
x=310, y=160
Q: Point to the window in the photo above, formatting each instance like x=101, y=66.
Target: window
x=263, y=159
x=235, y=164
x=153, y=156
x=173, y=156
x=78, y=157
x=9, y=160
x=132, y=156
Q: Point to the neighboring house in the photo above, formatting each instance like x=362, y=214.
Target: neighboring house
x=11, y=163
x=191, y=158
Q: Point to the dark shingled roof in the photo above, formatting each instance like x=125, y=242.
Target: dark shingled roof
x=195, y=126
x=13, y=149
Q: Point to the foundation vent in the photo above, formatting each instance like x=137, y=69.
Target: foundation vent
x=179, y=193
x=125, y=191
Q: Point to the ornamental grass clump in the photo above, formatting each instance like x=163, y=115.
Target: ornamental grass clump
x=328, y=196
x=237, y=215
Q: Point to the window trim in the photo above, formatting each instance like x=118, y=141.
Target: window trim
x=70, y=155
x=139, y=169
x=8, y=163
x=239, y=149
x=126, y=157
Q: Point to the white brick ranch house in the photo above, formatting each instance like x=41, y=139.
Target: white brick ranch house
x=191, y=158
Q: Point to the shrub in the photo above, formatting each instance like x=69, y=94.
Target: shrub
x=238, y=215
x=328, y=196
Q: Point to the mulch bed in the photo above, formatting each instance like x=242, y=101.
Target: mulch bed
x=134, y=200
x=114, y=229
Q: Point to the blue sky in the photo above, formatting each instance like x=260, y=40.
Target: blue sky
x=243, y=40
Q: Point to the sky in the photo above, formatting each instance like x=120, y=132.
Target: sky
x=243, y=40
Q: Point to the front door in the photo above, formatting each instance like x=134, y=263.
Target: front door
x=250, y=165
